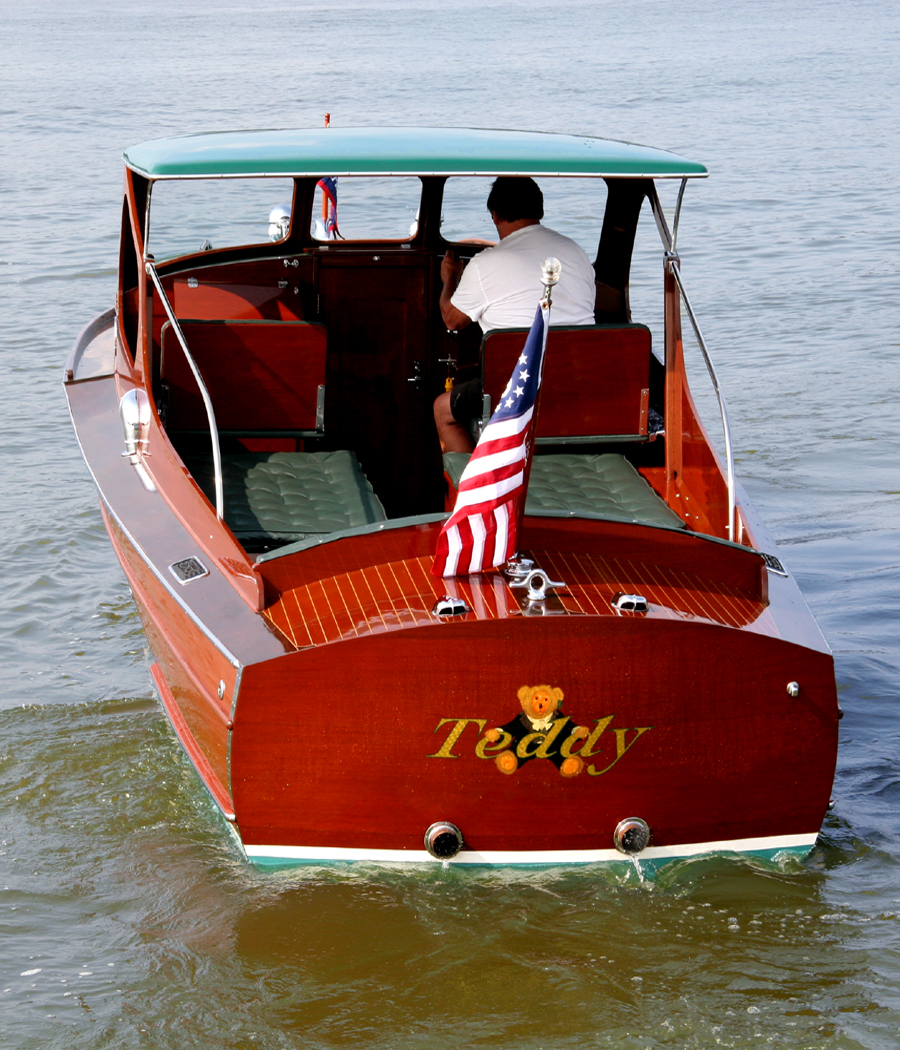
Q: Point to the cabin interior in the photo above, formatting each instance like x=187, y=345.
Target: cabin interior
x=322, y=360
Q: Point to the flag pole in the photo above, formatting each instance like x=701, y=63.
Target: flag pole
x=550, y=270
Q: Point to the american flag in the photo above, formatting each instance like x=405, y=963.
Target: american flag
x=481, y=532
x=328, y=186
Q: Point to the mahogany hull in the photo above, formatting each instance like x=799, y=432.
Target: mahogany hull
x=358, y=747
x=351, y=749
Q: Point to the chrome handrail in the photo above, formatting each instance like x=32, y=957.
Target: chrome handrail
x=204, y=393
x=672, y=263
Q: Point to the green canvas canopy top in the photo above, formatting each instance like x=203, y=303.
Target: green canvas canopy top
x=401, y=151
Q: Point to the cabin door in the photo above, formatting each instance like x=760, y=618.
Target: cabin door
x=377, y=398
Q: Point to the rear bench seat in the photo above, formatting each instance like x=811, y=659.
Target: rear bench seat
x=272, y=498
x=600, y=486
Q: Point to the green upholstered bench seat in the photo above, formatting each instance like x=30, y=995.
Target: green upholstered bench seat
x=288, y=496
x=599, y=486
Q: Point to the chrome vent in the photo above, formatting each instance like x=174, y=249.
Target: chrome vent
x=188, y=569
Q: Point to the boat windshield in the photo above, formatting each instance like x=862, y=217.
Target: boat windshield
x=574, y=207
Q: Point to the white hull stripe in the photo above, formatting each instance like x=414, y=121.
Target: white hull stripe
x=301, y=854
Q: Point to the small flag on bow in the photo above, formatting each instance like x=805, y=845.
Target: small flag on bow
x=481, y=533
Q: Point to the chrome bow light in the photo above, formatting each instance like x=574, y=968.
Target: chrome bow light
x=551, y=268
x=135, y=412
x=134, y=409
x=443, y=840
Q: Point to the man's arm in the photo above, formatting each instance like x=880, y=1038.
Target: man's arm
x=451, y=271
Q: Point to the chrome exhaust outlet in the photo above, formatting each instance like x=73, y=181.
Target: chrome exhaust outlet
x=632, y=836
x=443, y=840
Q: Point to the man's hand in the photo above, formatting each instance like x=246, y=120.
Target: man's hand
x=451, y=271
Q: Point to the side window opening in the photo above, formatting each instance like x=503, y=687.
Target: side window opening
x=573, y=207
x=361, y=208
x=191, y=215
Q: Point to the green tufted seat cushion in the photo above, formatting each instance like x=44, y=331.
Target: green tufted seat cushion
x=569, y=484
x=287, y=496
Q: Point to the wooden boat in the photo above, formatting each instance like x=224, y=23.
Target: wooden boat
x=278, y=496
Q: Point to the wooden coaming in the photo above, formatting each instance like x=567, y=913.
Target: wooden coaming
x=396, y=594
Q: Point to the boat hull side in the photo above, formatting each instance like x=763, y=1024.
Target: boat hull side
x=189, y=669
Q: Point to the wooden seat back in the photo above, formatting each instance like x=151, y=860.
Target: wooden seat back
x=261, y=375
x=596, y=384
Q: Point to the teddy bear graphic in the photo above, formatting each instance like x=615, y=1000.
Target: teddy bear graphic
x=542, y=722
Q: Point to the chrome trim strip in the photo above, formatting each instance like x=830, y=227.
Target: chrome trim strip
x=236, y=690
x=772, y=844
x=234, y=701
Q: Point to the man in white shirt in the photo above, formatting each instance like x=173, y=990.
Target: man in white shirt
x=501, y=286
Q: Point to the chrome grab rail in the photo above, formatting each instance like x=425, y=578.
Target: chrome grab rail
x=204, y=393
x=672, y=263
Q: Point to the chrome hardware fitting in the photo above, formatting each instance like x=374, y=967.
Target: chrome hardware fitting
x=551, y=268
x=135, y=413
x=193, y=282
x=279, y=222
x=188, y=569
x=221, y=689
x=443, y=840
x=449, y=606
x=417, y=377
x=793, y=689
x=774, y=564
x=632, y=836
x=635, y=603
x=517, y=568
x=134, y=410
x=320, y=408
x=538, y=584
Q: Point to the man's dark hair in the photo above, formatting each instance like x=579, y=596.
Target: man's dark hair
x=515, y=197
